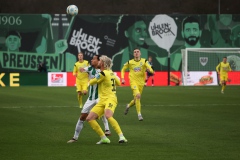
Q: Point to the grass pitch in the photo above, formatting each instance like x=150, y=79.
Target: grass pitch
x=180, y=123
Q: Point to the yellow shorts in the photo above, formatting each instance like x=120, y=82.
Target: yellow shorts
x=224, y=77
x=103, y=104
x=136, y=89
x=82, y=87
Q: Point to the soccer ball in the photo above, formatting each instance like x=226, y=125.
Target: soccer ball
x=72, y=10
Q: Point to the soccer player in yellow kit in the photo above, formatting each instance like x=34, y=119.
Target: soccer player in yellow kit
x=107, y=104
x=81, y=77
x=137, y=68
x=223, y=68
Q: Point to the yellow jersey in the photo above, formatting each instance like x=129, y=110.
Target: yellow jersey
x=223, y=68
x=137, y=70
x=82, y=77
x=107, y=82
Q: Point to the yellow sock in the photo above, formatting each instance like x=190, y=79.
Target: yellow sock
x=138, y=106
x=115, y=125
x=223, y=87
x=80, y=100
x=95, y=126
x=131, y=103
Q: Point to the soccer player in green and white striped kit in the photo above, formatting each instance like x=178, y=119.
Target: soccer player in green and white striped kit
x=91, y=101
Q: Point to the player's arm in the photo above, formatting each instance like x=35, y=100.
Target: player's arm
x=99, y=78
x=85, y=69
x=218, y=68
x=149, y=67
x=229, y=67
x=125, y=67
x=117, y=81
x=75, y=70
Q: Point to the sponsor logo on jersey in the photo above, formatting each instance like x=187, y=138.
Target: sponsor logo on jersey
x=137, y=69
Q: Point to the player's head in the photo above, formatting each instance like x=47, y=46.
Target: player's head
x=136, y=53
x=224, y=59
x=191, y=30
x=80, y=56
x=95, y=60
x=150, y=58
x=134, y=28
x=13, y=41
x=105, y=62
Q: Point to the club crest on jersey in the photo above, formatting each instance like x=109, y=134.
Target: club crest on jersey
x=141, y=64
x=203, y=60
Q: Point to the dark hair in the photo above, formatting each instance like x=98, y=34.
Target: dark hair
x=13, y=33
x=225, y=57
x=98, y=56
x=136, y=49
x=126, y=21
x=189, y=19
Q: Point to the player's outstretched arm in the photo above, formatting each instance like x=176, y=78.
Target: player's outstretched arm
x=125, y=67
x=117, y=81
x=99, y=78
x=149, y=67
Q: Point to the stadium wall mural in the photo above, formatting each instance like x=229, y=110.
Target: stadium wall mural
x=28, y=40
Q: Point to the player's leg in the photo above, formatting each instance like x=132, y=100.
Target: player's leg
x=152, y=80
x=79, y=95
x=106, y=126
x=132, y=102
x=96, y=112
x=225, y=79
x=223, y=82
x=138, y=93
x=84, y=89
x=108, y=112
x=84, y=113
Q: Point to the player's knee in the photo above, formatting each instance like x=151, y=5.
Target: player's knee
x=79, y=93
x=91, y=116
x=83, y=116
x=84, y=92
x=108, y=116
x=138, y=96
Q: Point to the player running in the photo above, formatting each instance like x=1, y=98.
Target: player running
x=91, y=101
x=137, y=68
x=223, y=68
x=107, y=104
x=81, y=77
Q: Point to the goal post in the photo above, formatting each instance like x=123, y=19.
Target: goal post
x=196, y=60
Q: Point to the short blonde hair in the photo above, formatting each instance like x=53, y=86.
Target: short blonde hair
x=107, y=62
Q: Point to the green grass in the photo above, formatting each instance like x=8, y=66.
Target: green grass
x=180, y=123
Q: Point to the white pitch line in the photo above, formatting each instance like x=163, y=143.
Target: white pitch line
x=154, y=105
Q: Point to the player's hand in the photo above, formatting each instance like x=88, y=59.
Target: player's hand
x=81, y=69
x=123, y=81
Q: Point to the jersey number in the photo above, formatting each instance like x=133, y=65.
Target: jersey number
x=113, y=84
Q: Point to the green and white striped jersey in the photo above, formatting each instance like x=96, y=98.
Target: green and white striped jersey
x=93, y=90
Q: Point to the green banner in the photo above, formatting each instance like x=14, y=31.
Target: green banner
x=23, y=79
x=27, y=40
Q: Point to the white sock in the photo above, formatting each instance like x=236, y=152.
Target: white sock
x=78, y=129
x=105, y=122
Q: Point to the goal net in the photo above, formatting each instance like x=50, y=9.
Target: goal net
x=204, y=61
